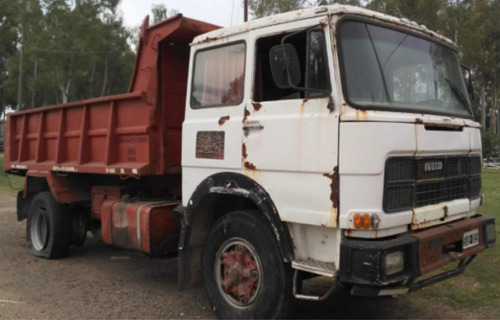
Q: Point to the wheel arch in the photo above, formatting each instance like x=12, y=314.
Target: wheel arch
x=65, y=189
x=215, y=196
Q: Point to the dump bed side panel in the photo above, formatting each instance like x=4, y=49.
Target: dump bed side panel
x=113, y=135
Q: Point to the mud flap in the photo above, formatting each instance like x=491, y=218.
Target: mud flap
x=23, y=205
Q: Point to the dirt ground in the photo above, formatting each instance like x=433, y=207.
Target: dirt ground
x=99, y=281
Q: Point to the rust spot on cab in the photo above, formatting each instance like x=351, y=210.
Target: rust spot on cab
x=256, y=106
x=223, y=120
x=334, y=186
x=245, y=115
x=302, y=106
x=249, y=165
x=419, y=121
x=244, y=150
x=361, y=115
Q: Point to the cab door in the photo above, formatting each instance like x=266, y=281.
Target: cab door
x=214, y=113
x=290, y=135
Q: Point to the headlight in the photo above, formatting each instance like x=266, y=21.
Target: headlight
x=394, y=262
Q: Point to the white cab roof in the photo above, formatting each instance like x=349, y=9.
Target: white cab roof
x=318, y=12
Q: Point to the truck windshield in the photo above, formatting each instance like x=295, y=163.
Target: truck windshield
x=383, y=68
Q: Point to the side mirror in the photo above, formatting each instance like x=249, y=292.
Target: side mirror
x=285, y=66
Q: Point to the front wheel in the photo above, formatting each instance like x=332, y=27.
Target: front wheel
x=48, y=230
x=244, y=274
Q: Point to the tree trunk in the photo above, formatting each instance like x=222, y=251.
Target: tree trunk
x=105, y=81
x=483, y=105
x=91, y=82
x=493, y=121
x=64, y=88
x=33, y=90
x=494, y=108
x=20, y=78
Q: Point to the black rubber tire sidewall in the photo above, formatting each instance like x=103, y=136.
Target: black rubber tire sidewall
x=275, y=297
x=59, y=225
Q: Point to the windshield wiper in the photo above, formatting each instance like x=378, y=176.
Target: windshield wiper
x=381, y=70
x=459, y=95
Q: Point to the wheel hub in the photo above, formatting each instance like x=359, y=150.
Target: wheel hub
x=39, y=229
x=240, y=273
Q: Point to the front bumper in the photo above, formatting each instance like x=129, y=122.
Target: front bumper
x=363, y=261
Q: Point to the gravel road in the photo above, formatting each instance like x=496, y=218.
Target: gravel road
x=99, y=281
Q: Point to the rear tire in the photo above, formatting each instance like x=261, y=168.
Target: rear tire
x=244, y=273
x=48, y=230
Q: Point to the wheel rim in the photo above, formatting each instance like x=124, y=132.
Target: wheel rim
x=238, y=272
x=39, y=229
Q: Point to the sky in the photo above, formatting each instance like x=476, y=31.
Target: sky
x=220, y=12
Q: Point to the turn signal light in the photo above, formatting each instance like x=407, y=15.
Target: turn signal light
x=357, y=221
x=365, y=221
x=362, y=221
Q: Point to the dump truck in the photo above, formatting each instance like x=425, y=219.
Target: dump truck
x=331, y=141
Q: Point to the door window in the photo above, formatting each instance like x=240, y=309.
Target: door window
x=218, y=76
x=311, y=50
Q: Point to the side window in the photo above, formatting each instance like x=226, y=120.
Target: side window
x=218, y=76
x=311, y=50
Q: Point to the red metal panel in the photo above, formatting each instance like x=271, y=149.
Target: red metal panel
x=106, y=211
x=174, y=60
x=58, y=186
x=143, y=226
x=438, y=246
x=101, y=194
x=160, y=231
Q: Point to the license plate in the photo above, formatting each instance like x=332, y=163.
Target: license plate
x=470, y=239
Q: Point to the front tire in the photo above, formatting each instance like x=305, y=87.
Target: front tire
x=244, y=273
x=48, y=230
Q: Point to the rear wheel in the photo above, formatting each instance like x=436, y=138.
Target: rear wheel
x=48, y=230
x=244, y=274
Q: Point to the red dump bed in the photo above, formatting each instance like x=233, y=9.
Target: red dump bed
x=137, y=133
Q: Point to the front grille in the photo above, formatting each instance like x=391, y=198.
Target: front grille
x=417, y=182
x=436, y=192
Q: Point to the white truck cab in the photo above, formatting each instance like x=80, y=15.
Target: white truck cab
x=333, y=141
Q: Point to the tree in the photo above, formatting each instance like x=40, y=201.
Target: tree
x=426, y=12
x=160, y=12
x=71, y=50
x=262, y=8
x=491, y=144
x=8, y=38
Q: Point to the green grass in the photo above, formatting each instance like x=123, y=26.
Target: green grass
x=478, y=289
x=10, y=184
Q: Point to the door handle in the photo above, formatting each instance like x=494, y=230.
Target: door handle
x=253, y=125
